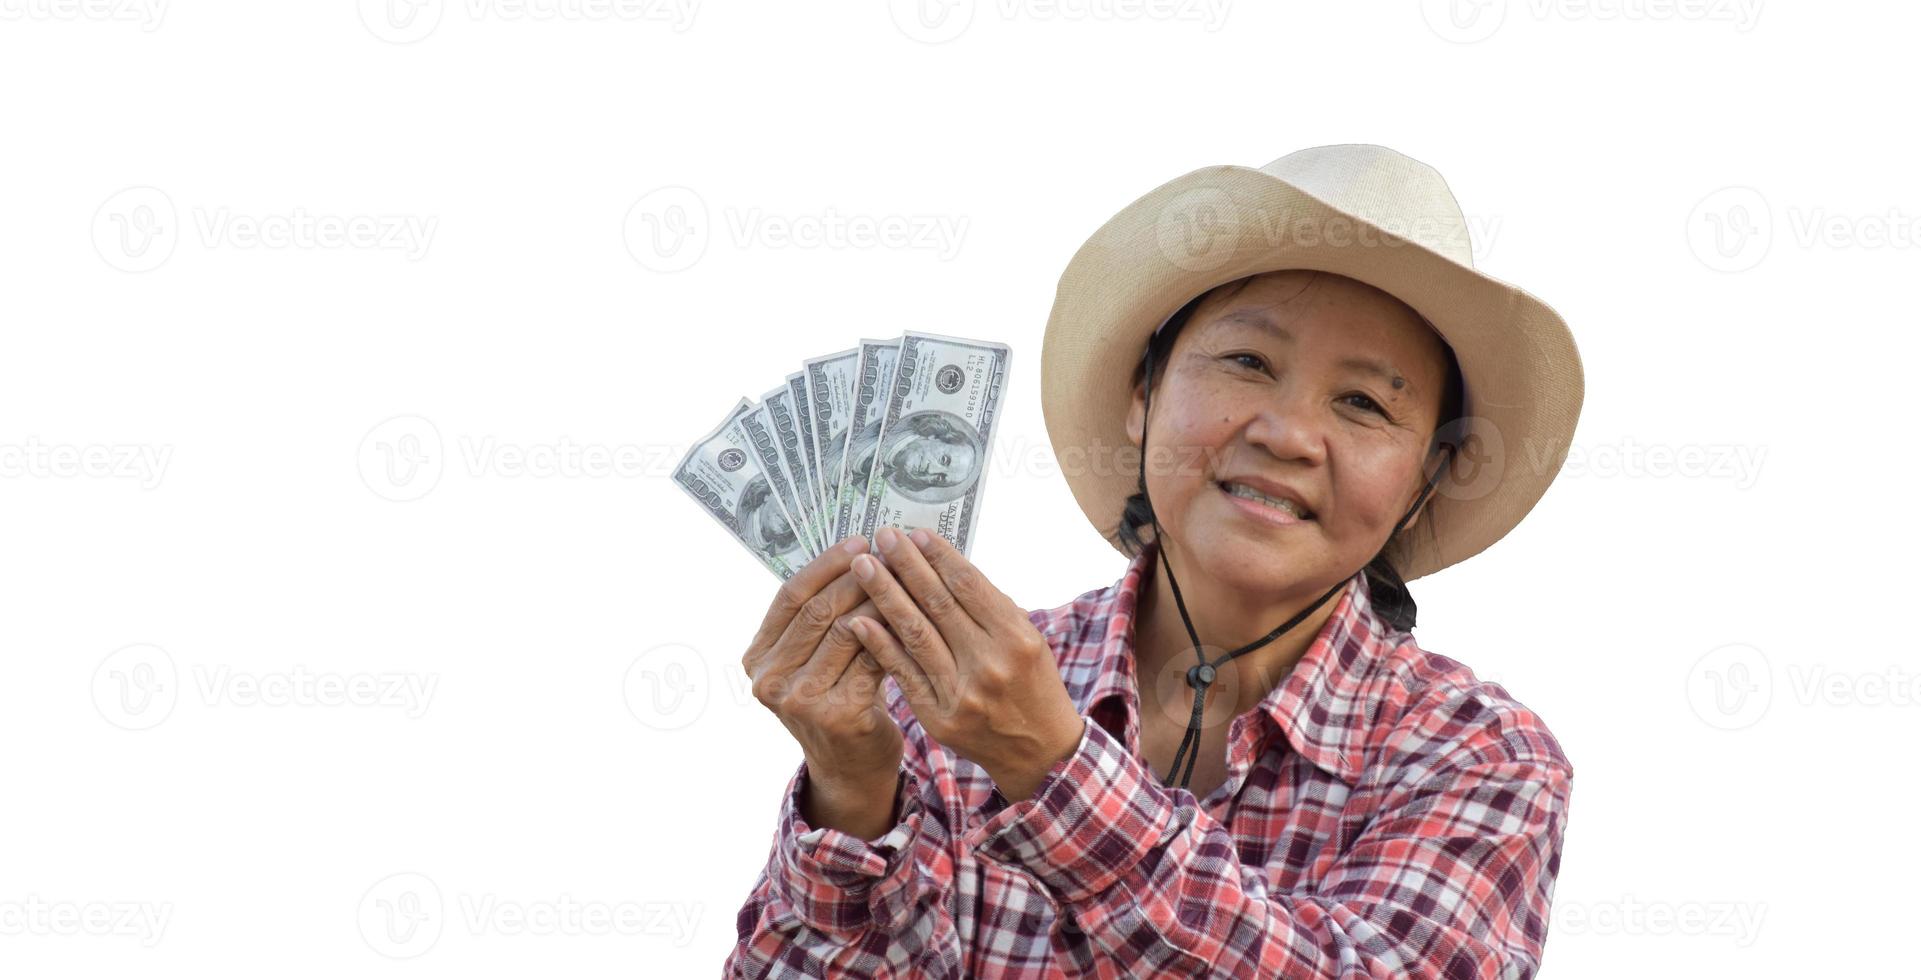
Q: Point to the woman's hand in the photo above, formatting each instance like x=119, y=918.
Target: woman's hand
x=981, y=679
x=805, y=670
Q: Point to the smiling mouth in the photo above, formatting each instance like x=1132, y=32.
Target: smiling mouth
x=1260, y=499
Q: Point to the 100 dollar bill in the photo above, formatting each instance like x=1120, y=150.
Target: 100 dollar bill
x=772, y=419
x=830, y=409
x=723, y=473
x=872, y=377
x=928, y=461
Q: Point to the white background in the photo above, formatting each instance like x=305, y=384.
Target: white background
x=197, y=426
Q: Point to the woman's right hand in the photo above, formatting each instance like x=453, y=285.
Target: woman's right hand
x=812, y=672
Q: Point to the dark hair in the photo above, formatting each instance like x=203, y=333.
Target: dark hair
x=1386, y=590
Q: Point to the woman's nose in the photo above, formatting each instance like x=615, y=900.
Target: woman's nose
x=1289, y=428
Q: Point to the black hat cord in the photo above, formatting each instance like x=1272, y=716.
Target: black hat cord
x=1202, y=674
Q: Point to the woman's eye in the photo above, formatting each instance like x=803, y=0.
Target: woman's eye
x=1359, y=400
x=1370, y=404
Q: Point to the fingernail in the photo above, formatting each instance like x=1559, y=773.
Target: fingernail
x=854, y=545
x=885, y=537
x=921, y=537
x=864, y=569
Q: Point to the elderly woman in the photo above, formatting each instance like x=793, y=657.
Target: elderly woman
x=1106, y=789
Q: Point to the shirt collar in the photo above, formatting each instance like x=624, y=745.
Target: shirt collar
x=1321, y=705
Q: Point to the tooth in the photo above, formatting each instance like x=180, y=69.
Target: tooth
x=1254, y=494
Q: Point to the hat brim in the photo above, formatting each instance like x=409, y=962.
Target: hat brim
x=1522, y=371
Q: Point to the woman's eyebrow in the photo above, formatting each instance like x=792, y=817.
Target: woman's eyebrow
x=1261, y=320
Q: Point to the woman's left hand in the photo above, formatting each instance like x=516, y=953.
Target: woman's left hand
x=980, y=678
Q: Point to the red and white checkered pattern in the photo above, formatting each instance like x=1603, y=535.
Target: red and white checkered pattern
x=1385, y=814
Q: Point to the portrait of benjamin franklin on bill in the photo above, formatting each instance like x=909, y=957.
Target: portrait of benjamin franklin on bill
x=763, y=525
x=931, y=457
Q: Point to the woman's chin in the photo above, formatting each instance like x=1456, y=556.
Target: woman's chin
x=1247, y=562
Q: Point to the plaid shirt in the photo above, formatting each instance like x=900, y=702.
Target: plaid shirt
x=1384, y=814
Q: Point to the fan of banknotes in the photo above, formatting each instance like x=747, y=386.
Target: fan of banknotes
x=891, y=432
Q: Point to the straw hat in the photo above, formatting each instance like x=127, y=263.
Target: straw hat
x=1357, y=210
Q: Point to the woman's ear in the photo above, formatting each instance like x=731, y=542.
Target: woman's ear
x=1416, y=518
x=1440, y=461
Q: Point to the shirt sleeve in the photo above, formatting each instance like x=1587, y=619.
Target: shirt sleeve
x=1452, y=879
x=830, y=904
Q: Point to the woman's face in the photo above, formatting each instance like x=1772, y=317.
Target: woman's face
x=1268, y=385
